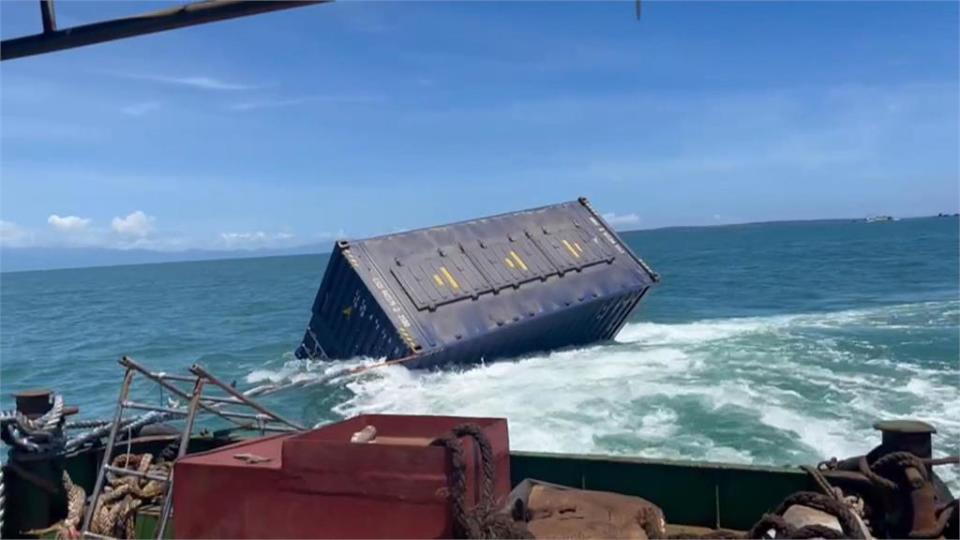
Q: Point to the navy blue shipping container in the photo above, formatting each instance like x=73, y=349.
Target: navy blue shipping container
x=493, y=287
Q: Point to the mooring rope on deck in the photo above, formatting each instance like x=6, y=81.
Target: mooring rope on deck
x=44, y=435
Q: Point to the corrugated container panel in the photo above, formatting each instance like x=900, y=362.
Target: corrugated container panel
x=499, y=286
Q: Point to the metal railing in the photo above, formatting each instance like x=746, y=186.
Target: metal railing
x=261, y=419
x=53, y=39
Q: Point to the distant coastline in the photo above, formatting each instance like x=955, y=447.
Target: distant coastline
x=29, y=259
x=784, y=222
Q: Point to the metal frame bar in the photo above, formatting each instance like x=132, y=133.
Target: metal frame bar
x=154, y=408
x=48, y=16
x=198, y=370
x=263, y=418
x=227, y=400
x=108, y=450
x=167, y=377
x=131, y=472
x=181, y=451
x=229, y=415
x=148, y=23
x=161, y=379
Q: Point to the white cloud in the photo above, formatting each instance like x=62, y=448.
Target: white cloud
x=199, y=82
x=265, y=104
x=68, y=223
x=140, y=109
x=618, y=221
x=258, y=239
x=136, y=224
x=272, y=103
x=13, y=235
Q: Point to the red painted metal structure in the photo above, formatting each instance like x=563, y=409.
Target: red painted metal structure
x=318, y=484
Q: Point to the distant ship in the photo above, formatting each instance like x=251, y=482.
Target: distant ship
x=877, y=219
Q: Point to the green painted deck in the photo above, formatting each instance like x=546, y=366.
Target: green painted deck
x=690, y=493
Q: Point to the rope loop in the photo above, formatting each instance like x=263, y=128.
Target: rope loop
x=483, y=520
x=888, y=471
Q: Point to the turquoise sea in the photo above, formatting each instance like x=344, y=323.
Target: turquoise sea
x=769, y=343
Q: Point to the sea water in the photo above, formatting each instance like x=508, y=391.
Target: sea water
x=770, y=343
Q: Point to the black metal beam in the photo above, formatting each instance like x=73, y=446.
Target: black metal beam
x=148, y=23
x=48, y=16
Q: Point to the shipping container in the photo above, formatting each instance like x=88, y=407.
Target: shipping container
x=494, y=287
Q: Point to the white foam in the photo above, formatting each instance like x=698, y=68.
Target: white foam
x=296, y=370
x=660, y=389
x=893, y=318
x=697, y=332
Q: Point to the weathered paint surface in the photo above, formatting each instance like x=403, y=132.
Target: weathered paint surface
x=318, y=484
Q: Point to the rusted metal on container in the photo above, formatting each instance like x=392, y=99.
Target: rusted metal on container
x=493, y=287
x=320, y=485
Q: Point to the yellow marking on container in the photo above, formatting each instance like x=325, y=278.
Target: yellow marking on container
x=438, y=281
x=510, y=263
x=446, y=274
x=580, y=249
x=518, y=260
x=571, y=250
x=407, y=338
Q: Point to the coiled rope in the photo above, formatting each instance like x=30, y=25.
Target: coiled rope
x=483, y=520
x=67, y=527
x=115, y=514
x=129, y=425
x=782, y=529
x=879, y=472
x=41, y=435
x=889, y=473
x=86, y=424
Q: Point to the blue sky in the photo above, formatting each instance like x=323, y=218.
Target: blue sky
x=355, y=119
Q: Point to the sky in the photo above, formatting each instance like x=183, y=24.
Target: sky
x=361, y=118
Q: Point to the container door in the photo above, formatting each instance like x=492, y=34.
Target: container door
x=572, y=248
x=510, y=262
x=442, y=277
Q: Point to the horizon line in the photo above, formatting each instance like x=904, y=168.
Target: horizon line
x=264, y=253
